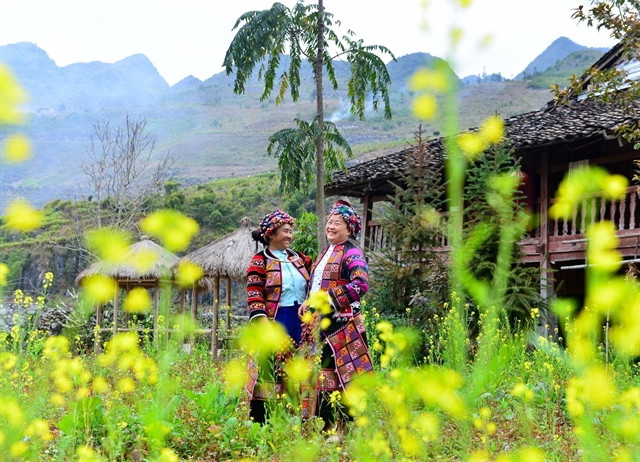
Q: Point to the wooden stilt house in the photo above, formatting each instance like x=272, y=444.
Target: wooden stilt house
x=550, y=142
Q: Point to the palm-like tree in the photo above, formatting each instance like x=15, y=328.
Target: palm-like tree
x=305, y=30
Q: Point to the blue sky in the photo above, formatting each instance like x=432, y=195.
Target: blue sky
x=190, y=37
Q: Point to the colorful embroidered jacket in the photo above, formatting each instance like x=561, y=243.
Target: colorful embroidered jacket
x=264, y=281
x=344, y=277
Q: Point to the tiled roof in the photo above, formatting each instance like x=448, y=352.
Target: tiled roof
x=551, y=125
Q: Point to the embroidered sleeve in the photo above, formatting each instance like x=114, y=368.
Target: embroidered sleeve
x=256, y=277
x=342, y=296
x=308, y=262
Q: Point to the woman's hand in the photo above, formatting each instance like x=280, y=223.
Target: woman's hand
x=302, y=309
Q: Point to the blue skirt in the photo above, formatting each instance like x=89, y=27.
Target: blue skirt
x=288, y=317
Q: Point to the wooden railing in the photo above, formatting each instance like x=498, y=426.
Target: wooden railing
x=624, y=213
x=375, y=238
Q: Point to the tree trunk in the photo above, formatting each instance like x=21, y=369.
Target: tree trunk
x=320, y=139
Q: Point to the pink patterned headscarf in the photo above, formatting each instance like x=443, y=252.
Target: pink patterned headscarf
x=344, y=209
x=273, y=221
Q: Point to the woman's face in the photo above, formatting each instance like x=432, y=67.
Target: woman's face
x=281, y=237
x=336, y=229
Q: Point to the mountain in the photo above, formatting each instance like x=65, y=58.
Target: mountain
x=84, y=86
x=558, y=50
x=214, y=132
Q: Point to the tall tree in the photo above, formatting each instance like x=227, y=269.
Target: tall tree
x=121, y=171
x=485, y=216
x=306, y=31
x=410, y=269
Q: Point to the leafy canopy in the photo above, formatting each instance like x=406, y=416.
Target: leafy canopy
x=266, y=35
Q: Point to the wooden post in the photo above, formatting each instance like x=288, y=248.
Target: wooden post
x=115, y=310
x=166, y=312
x=156, y=330
x=127, y=288
x=214, y=323
x=366, y=218
x=228, y=308
x=546, y=283
x=194, y=310
x=97, y=334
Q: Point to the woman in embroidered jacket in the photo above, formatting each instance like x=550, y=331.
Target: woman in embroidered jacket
x=341, y=271
x=277, y=280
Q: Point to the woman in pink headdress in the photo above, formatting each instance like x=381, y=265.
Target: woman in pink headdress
x=341, y=272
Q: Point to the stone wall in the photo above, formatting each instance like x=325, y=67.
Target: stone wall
x=49, y=319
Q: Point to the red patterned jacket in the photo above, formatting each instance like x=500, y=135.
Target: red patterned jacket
x=264, y=281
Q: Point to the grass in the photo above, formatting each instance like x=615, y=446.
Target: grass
x=136, y=401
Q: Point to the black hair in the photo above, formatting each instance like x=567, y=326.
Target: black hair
x=255, y=234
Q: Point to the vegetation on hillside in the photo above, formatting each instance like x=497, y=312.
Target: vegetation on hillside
x=559, y=73
x=217, y=206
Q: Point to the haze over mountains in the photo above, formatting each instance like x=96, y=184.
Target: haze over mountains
x=214, y=132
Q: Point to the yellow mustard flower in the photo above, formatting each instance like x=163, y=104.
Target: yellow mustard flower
x=319, y=300
x=425, y=106
x=428, y=79
x=19, y=448
x=492, y=129
x=111, y=245
x=428, y=426
x=86, y=454
x=11, y=410
x=188, y=273
x=99, y=288
x=21, y=216
x=4, y=272
x=11, y=96
x=56, y=347
x=298, y=370
x=235, y=375
x=100, y=385
x=137, y=300
x=126, y=385
x=17, y=148
x=167, y=455
x=472, y=144
x=39, y=428
x=174, y=229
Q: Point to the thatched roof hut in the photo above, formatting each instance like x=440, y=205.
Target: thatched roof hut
x=160, y=263
x=227, y=257
x=133, y=272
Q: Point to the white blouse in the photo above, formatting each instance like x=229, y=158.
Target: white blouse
x=316, y=280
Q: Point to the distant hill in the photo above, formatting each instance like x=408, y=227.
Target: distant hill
x=215, y=133
x=558, y=50
x=574, y=63
x=131, y=81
